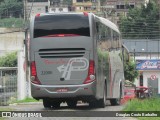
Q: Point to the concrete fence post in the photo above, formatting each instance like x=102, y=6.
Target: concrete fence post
x=21, y=83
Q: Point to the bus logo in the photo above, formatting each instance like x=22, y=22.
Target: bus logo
x=70, y=67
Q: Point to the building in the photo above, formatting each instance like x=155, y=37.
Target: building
x=146, y=53
x=86, y=5
x=58, y=6
x=113, y=9
x=35, y=6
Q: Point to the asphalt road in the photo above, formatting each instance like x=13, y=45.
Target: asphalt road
x=64, y=108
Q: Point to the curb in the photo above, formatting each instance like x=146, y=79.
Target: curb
x=28, y=103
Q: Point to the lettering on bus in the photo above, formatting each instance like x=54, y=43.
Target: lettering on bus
x=66, y=70
x=61, y=61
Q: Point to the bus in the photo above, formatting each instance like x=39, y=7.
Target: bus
x=75, y=57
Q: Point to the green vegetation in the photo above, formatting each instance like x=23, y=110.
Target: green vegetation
x=141, y=22
x=130, y=73
x=10, y=8
x=26, y=100
x=103, y=58
x=151, y=104
x=9, y=60
x=12, y=22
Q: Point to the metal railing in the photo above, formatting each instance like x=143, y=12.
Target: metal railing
x=8, y=85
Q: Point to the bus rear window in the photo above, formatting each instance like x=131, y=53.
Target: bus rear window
x=49, y=25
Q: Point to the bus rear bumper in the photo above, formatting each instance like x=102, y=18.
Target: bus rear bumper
x=63, y=91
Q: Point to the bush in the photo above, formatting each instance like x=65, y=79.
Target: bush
x=9, y=60
x=12, y=22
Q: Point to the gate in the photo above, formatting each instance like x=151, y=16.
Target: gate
x=153, y=85
x=8, y=85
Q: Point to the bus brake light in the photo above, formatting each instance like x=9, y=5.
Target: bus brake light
x=91, y=74
x=34, y=78
x=37, y=15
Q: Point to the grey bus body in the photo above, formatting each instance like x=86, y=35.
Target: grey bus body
x=75, y=56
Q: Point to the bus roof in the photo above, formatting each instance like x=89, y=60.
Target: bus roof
x=107, y=23
x=100, y=19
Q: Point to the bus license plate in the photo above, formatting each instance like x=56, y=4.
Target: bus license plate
x=62, y=90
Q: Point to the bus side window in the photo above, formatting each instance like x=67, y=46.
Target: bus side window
x=125, y=53
x=97, y=27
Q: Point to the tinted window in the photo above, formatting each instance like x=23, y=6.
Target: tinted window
x=61, y=24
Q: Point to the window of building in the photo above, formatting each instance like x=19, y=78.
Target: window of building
x=79, y=0
x=141, y=80
x=120, y=6
x=118, y=14
x=86, y=0
x=46, y=8
x=131, y=6
x=87, y=8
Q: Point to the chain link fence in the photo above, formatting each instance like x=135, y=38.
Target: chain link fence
x=8, y=85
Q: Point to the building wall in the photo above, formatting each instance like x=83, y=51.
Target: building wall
x=10, y=41
x=85, y=6
x=147, y=74
x=116, y=8
x=58, y=9
x=38, y=7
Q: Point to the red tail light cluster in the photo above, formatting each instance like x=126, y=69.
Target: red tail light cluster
x=37, y=15
x=91, y=73
x=34, y=78
x=62, y=35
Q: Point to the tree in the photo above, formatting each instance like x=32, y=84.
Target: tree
x=9, y=60
x=141, y=23
x=102, y=2
x=10, y=8
x=130, y=73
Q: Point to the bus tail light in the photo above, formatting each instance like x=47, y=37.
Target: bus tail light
x=85, y=13
x=34, y=78
x=91, y=73
x=37, y=15
x=62, y=35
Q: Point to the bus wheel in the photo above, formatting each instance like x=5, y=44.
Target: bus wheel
x=46, y=103
x=56, y=104
x=102, y=102
x=115, y=101
x=72, y=104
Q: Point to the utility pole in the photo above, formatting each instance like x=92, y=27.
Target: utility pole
x=25, y=9
x=26, y=46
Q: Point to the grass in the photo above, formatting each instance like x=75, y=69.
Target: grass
x=26, y=100
x=11, y=22
x=152, y=104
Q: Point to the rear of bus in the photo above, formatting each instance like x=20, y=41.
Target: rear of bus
x=61, y=57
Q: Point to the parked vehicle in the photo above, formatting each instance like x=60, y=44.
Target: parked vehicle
x=141, y=92
x=129, y=94
x=71, y=61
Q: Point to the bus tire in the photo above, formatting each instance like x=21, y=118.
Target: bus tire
x=115, y=102
x=46, y=103
x=56, y=104
x=102, y=102
x=72, y=104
